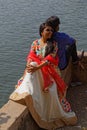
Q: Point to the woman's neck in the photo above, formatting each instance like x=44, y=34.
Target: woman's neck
x=43, y=40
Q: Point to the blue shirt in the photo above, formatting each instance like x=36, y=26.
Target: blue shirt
x=63, y=41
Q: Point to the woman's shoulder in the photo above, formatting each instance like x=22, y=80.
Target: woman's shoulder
x=35, y=45
x=36, y=42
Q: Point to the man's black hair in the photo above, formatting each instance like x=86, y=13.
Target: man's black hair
x=53, y=21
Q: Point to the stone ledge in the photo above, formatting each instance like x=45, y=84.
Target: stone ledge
x=10, y=113
x=15, y=116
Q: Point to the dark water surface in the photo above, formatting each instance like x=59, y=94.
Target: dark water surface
x=19, y=23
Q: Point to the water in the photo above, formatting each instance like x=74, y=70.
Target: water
x=19, y=23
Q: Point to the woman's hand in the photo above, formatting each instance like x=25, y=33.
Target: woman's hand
x=31, y=68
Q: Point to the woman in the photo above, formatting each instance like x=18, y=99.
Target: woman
x=41, y=88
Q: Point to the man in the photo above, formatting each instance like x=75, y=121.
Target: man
x=66, y=46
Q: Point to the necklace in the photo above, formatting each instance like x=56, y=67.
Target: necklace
x=42, y=44
x=42, y=47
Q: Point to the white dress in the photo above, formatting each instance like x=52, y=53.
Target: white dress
x=45, y=108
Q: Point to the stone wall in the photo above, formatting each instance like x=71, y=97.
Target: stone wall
x=77, y=73
x=14, y=116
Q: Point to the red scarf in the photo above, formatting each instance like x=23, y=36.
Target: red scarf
x=49, y=71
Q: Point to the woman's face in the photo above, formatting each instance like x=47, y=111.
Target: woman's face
x=47, y=32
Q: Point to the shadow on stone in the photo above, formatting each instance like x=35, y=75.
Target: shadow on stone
x=3, y=118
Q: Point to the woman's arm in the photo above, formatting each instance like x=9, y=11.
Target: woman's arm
x=30, y=68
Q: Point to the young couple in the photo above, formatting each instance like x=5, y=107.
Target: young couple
x=41, y=88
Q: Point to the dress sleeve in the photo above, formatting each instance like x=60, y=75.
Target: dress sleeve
x=33, y=47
